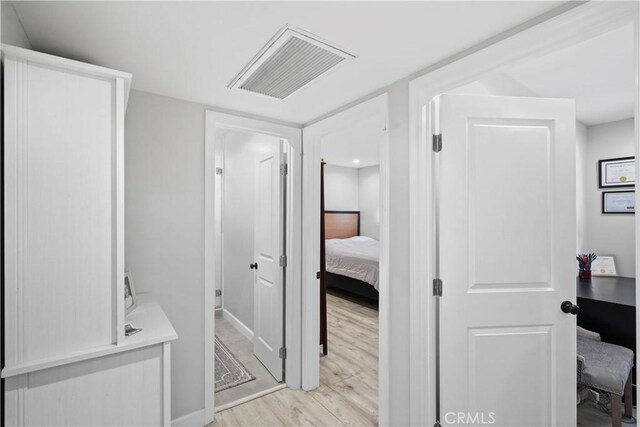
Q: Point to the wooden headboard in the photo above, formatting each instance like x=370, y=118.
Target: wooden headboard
x=341, y=224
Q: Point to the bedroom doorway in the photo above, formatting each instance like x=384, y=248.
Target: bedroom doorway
x=251, y=229
x=604, y=135
x=347, y=209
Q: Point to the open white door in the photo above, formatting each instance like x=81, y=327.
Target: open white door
x=506, y=201
x=269, y=247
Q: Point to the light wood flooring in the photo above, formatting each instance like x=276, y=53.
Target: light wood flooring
x=348, y=392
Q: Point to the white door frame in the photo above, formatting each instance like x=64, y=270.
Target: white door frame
x=313, y=135
x=212, y=233
x=578, y=24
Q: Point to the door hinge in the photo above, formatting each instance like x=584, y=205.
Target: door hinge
x=218, y=292
x=218, y=171
x=437, y=287
x=437, y=143
x=317, y=275
x=283, y=261
x=284, y=169
x=283, y=353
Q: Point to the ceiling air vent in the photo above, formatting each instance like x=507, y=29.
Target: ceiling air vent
x=292, y=59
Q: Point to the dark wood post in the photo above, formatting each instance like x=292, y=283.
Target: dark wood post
x=323, y=269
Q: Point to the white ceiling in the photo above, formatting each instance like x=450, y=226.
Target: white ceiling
x=192, y=50
x=597, y=73
x=360, y=141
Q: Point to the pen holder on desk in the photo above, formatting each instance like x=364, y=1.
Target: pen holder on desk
x=584, y=274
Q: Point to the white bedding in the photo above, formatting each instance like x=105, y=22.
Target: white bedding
x=356, y=257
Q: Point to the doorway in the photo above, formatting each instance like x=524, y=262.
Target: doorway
x=249, y=318
x=346, y=306
x=583, y=23
x=604, y=139
x=251, y=249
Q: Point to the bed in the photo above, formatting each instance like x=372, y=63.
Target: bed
x=351, y=261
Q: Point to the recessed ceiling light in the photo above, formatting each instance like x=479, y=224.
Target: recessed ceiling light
x=356, y=161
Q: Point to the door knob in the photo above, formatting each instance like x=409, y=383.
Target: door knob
x=254, y=265
x=569, y=307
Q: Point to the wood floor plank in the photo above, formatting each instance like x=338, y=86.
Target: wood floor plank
x=359, y=394
x=338, y=302
x=333, y=370
x=349, y=350
x=370, y=348
x=344, y=316
x=299, y=408
x=342, y=409
x=358, y=331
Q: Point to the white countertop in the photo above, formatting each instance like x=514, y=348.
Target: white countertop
x=147, y=315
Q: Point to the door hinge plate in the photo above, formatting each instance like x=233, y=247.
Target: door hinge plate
x=437, y=287
x=218, y=292
x=284, y=169
x=317, y=274
x=282, y=353
x=437, y=143
x=218, y=171
x=283, y=261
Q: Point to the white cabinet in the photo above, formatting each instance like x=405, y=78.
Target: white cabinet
x=65, y=350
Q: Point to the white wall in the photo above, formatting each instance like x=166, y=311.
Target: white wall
x=398, y=394
x=581, y=201
x=353, y=189
x=12, y=31
x=241, y=149
x=164, y=227
x=608, y=234
x=340, y=188
x=369, y=201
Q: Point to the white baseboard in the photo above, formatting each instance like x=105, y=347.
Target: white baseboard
x=194, y=419
x=241, y=327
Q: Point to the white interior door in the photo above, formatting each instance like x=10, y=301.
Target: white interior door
x=506, y=194
x=269, y=246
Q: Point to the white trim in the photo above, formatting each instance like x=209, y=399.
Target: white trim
x=236, y=323
x=251, y=397
x=166, y=383
x=69, y=65
x=313, y=135
x=194, y=419
x=384, y=297
x=212, y=227
x=118, y=249
x=578, y=24
x=636, y=20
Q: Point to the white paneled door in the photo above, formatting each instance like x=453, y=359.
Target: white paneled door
x=269, y=247
x=506, y=197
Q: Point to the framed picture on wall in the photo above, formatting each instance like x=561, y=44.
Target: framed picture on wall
x=618, y=202
x=618, y=172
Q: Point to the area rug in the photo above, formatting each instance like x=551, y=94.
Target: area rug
x=229, y=371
